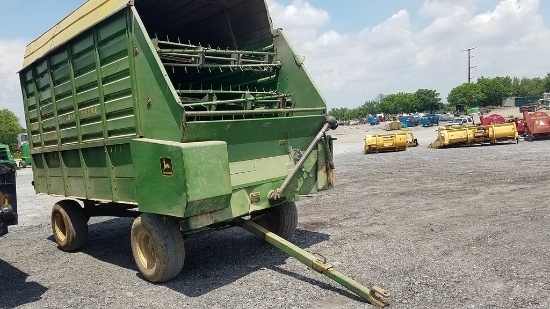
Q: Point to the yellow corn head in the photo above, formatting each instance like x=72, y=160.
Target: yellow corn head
x=390, y=142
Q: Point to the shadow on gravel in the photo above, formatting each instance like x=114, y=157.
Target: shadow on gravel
x=212, y=260
x=221, y=258
x=16, y=291
x=109, y=241
x=325, y=286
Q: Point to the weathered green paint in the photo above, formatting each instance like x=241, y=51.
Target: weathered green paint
x=26, y=153
x=5, y=155
x=104, y=107
x=196, y=175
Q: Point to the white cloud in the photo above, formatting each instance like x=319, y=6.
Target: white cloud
x=351, y=68
x=298, y=15
x=11, y=59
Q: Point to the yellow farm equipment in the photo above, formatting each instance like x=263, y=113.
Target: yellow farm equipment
x=390, y=142
x=468, y=135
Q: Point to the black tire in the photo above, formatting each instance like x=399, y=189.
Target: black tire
x=281, y=220
x=157, y=247
x=69, y=225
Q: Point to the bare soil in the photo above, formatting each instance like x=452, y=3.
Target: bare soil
x=439, y=228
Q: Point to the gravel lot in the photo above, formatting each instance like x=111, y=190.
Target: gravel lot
x=438, y=228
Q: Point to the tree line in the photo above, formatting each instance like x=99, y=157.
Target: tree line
x=9, y=128
x=485, y=91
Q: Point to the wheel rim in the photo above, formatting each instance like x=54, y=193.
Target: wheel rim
x=59, y=227
x=146, y=250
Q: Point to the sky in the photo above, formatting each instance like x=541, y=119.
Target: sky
x=355, y=49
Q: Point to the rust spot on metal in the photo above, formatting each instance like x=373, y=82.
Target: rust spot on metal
x=254, y=197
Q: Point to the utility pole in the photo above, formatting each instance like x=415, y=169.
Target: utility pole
x=470, y=67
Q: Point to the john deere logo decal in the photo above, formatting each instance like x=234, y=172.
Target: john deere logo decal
x=166, y=166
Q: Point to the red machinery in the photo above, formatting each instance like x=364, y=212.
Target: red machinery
x=492, y=119
x=537, y=125
x=520, y=126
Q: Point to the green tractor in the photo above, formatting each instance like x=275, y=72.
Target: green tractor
x=8, y=194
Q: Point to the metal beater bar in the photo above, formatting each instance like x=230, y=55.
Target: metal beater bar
x=224, y=66
x=255, y=112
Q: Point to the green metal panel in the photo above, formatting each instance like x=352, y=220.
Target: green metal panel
x=181, y=179
x=294, y=77
x=103, y=108
x=160, y=113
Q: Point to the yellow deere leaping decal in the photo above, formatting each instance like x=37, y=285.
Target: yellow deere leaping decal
x=166, y=166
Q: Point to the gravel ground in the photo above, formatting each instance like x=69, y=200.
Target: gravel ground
x=438, y=228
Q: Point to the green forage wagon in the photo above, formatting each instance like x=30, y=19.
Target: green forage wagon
x=184, y=114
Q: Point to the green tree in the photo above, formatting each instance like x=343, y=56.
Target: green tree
x=467, y=94
x=534, y=87
x=401, y=102
x=337, y=113
x=9, y=128
x=529, y=87
x=369, y=108
x=546, y=82
x=428, y=100
x=495, y=89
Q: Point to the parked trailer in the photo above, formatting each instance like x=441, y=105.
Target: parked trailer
x=185, y=114
x=537, y=125
x=375, y=143
x=468, y=135
x=410, y=121
x=429, y=120
x=373, y=120
x=8, y=190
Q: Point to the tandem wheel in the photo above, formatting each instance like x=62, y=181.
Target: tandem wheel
x=69, y=225
x=281, y=220
x=157, y=247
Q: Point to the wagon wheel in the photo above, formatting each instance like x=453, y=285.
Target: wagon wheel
x=281, y=220
x=69, y=225
x=157, y=247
